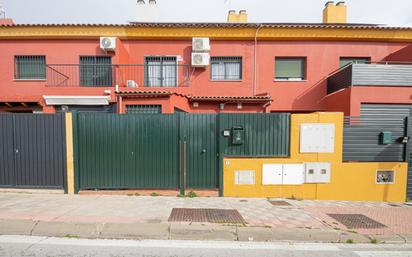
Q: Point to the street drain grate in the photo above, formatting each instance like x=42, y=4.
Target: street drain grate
x=205, y=215
x=356, y=221
x=280, y=203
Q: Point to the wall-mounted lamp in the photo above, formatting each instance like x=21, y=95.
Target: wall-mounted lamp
x=195, y=104
x=222, y=106
x=239, y=106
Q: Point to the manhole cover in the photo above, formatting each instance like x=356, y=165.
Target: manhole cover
x=356, y=221
x=280, y=203
x=205, y=215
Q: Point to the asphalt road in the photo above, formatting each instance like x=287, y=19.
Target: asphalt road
x=11, y=246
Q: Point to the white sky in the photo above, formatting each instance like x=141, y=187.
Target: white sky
x=391, y=12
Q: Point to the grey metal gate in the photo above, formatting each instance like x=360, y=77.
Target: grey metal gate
x=399, y=113
x=33, y=151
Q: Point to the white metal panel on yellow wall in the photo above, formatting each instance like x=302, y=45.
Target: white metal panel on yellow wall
x=272, y=174
x=244, y=177
x=293, y=174
x=317, y=138
x=317, y=172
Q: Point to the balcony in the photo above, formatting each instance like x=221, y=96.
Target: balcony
x=373, y=74
x=123, y=75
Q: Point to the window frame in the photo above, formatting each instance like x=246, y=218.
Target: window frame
x=162, y=57
x=368, y=58
x=240, y=60
x=147, y=106
x=16, y=69
x=284, y=79
x=94, y=84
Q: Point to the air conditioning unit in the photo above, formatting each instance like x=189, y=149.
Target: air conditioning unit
x=108, y=43
x=200, y=59
x=200, y=44
x=131, y=83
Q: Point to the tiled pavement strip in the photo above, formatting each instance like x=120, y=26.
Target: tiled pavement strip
x=256, y=212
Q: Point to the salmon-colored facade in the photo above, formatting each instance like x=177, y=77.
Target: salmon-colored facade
x=256, y=91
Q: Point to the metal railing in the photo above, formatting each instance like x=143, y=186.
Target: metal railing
x=104, y=75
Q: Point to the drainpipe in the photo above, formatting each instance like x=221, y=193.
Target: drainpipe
x=254, y=60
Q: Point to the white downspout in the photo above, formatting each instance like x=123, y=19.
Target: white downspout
x=254, y=60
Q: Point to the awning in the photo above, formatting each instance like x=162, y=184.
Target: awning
x=76, y=100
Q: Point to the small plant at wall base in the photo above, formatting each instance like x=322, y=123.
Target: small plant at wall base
x=191, y=194
x=374, y=241
x=154, y=194
x=350, y=241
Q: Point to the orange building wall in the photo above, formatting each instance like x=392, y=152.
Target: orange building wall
x=350, y=99
x=309, y=95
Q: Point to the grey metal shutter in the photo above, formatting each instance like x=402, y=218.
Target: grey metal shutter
x=400, y=111
x=392, y=111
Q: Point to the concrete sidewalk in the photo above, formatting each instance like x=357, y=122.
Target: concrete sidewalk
x=145, y=217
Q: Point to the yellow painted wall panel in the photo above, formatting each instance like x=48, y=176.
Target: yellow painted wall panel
x=349, y=181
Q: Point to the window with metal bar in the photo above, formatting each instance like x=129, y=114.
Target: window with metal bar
x=161, y=71
x=144, y=109
x=96, y=71
x=290, y=68
x=346, y=60
x=30, y=67
x=226, y=68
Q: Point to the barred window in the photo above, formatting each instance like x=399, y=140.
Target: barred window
x=226, y=68
x=96, y=71
x=30, y=67
x=144, y=108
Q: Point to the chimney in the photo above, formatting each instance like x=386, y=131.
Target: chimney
x=3, y=19
x=335, y=13
x=232, y=17
x=242, y=16
x=147, y=11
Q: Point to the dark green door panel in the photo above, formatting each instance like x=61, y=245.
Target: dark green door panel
x=200, y=135
x=128, y=151
x=122, y=151
x=265, y=134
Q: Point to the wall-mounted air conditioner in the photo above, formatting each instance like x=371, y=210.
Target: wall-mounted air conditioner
x=200, y=59
x=108, y=43
x=131, y=83
x=200, y=44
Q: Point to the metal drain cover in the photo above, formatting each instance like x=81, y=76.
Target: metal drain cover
x=356, y=221
x=205, y=215
x=280, y=203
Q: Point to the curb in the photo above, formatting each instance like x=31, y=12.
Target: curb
x=182, y=231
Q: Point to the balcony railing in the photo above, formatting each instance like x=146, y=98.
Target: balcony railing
x=101, y=75
x=371, y=74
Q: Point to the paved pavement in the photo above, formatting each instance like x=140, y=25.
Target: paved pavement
x=146, y=217
x=12, y=246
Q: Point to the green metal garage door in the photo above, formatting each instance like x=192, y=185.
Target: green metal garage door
x=127, y=151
